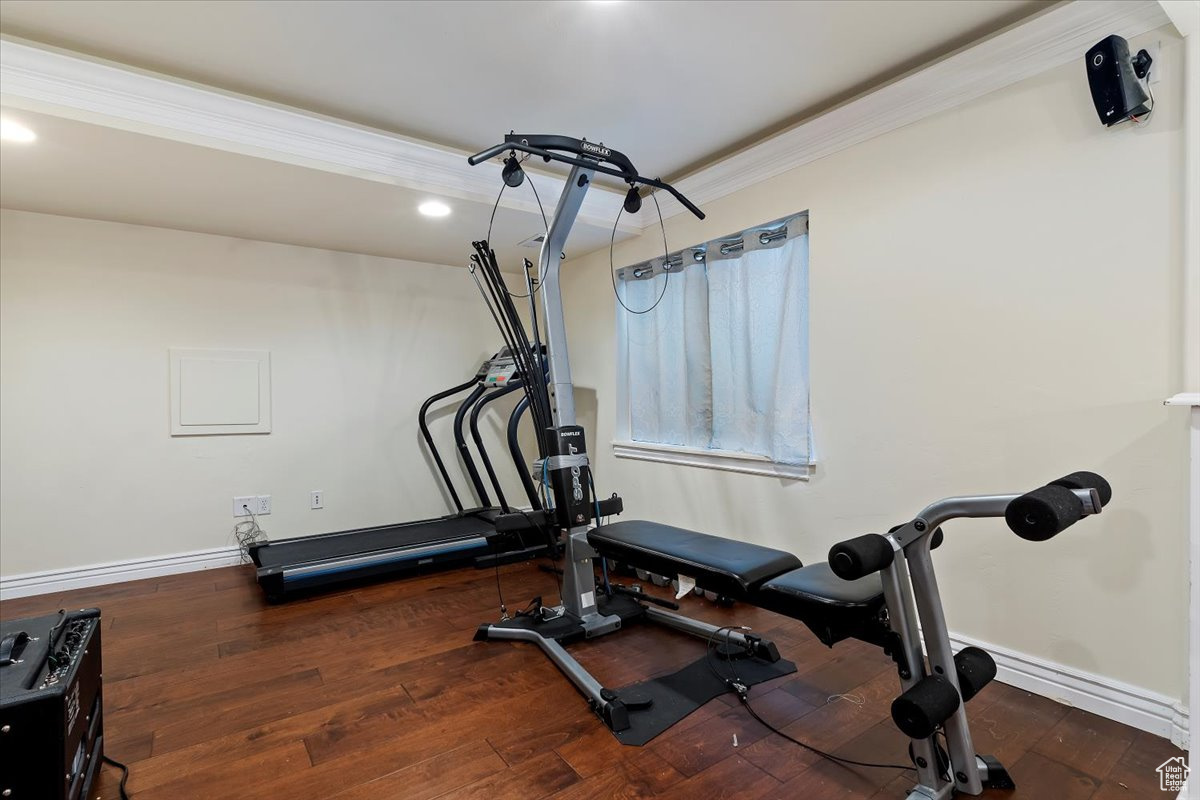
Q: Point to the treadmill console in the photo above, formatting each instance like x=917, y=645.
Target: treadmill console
x=500, y=369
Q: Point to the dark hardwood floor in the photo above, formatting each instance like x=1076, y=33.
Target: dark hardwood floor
x=379, y=692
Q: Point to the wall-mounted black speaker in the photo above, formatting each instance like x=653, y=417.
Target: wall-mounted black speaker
x=1116, y=91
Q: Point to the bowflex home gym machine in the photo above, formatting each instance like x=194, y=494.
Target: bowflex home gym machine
x=468, y=535
x=878, y=588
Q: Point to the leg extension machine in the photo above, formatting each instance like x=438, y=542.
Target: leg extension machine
x=876, y=588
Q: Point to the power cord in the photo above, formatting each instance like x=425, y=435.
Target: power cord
x=742, y=690
x=545, y=532
x=124, y=776
x=1144, y=120
x=248, y=534
x=496, y=564
x=552, y=546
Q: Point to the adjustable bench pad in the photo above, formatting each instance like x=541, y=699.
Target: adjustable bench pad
x=833, y=608
x=725, y=566
x=817, y=584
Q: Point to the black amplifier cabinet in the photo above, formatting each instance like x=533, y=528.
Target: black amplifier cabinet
x=51, y=733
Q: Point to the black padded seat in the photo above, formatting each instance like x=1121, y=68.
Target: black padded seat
x=720, y=565
x=833, y=608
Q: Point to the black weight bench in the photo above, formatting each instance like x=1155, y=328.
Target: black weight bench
x=834, y=609
x=733, y=568
x=874, y=588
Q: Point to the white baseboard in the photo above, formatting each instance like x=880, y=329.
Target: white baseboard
x=33, y=583
x=1132, y=705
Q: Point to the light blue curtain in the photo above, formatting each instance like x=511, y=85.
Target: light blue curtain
x=722, y=362
x=669, y=365
x=758, y=327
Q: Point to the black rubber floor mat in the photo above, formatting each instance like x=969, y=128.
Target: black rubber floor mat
x=680, y=693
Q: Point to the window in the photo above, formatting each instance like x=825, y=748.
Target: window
x=717, y=373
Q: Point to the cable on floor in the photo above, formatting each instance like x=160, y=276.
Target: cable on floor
x=124, y=776
x=742, y=690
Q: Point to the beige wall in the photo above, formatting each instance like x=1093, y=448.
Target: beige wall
x=88, y=470
x=994, y=304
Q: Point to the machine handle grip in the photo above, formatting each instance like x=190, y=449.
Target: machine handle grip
x=861, y=556
x=1043, y=513
x=485, y=155
x=1086, y=480
x=688, y=204
x=610, y=506
x=527, y=520
x=589, y=160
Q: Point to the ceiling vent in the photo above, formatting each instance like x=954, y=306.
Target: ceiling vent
x=534, y=241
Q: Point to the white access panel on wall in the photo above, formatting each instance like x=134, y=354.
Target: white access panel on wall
x=220, y=391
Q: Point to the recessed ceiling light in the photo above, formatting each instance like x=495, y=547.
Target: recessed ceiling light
x=434, y=208
x=12, y=131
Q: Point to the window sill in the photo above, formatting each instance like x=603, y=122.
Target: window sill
x=711, y=459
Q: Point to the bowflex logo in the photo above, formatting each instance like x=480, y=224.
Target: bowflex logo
x=1172, y=774
x=576, y=486
x=603, y=152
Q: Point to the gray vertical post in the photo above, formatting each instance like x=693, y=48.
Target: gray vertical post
x=550, y=261
x=941, y=660
x=579, y=581
x=902, y=616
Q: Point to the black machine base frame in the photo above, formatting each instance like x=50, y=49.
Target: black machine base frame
x=620, y=709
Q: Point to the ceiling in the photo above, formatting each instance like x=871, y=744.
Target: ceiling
x=82, y=170
x=673, y=84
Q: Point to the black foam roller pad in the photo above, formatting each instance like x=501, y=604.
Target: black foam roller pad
x=1043, y=513
x=1086, y=480
x=860, y=556
x=976, y=669
x=919, y=711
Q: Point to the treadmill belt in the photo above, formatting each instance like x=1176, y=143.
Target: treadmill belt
x=301, y=550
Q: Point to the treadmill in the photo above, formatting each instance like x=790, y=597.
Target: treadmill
x=468, y=535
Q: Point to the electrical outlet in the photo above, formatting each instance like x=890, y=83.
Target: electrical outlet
x=241, y=504
x=316, y=499
x=264, y=504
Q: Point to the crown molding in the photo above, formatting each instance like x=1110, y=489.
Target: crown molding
x=48, y=80
x=1184, y=15
x=1055, y=37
